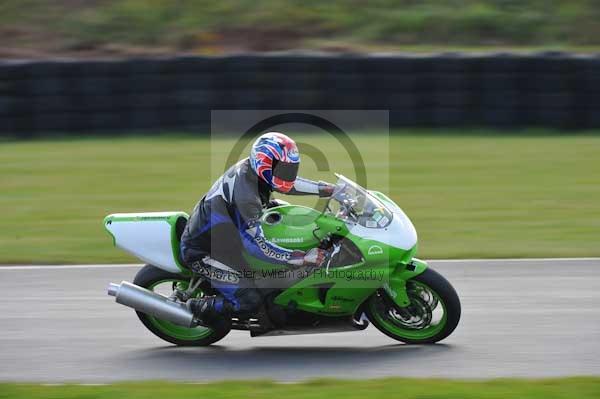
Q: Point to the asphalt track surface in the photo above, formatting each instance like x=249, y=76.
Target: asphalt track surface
x=521, y=318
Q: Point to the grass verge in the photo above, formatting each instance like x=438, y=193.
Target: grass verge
x=480, y=195
x=580, y=387
x=131, y=26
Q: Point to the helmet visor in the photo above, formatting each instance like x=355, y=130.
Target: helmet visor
x=287, y=171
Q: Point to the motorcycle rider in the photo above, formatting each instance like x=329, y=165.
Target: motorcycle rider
x=226, y=221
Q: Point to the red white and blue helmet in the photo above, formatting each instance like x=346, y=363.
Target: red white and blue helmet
x=275, y=159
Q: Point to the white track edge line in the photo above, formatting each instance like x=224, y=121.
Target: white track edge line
x=54, y=267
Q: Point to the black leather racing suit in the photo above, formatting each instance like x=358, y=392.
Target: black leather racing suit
x=226, y=222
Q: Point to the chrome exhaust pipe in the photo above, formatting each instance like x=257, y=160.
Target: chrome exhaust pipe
x=151, y=303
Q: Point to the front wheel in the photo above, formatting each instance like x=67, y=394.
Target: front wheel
x=163, y=282
x=432, y=315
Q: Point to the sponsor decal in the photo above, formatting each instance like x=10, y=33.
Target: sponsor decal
x=215, y=274
x=268, y=251
x=149, y=218
x=342, y=299
x=384, y=221
x=375, y=250
x=288, y=239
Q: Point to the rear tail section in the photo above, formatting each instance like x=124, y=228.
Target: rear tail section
x=152, y=237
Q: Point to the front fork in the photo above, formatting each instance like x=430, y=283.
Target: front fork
x=396, y=286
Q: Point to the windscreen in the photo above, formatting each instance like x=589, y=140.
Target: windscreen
x=352, y=203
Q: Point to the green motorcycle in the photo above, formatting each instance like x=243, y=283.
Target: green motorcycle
x=371, y=274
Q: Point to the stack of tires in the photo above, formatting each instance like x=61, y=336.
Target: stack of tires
x=450, y=90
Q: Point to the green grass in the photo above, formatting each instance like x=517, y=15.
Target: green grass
x=567, y=388
x=486, y=194
x=210, y=27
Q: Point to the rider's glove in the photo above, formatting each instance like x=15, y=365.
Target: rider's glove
x=313, y=257
x=316, y=256
x=326, y=189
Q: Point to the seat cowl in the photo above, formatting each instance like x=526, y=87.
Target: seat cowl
x=152, y=237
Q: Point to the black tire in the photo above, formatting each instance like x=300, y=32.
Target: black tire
x=150, y=275
x=446, y=294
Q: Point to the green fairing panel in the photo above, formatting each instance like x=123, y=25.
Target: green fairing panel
x=291, y=226
x=297, y=227
x=350, y=286
x=396, y=287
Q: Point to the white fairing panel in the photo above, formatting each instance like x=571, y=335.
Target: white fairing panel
x=400, y=233
x=149, y=240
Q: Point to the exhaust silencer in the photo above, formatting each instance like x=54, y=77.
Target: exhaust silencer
x=151, y=303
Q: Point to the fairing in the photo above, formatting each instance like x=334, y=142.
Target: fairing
x=151, y=237
x=385, y=261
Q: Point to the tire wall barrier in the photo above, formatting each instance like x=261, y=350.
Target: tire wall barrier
x=71, y=97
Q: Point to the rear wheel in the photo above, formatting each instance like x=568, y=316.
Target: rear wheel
x=163, y=282
x=433, y=314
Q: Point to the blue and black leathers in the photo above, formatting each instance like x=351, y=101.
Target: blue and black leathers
x=225, y=223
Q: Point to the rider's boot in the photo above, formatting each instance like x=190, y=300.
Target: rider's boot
x=212, y=311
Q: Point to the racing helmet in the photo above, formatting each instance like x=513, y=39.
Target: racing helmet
x=275, y=159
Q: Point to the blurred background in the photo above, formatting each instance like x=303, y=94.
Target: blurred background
x=91, y=28
x=492, y=149
x=105, y=106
